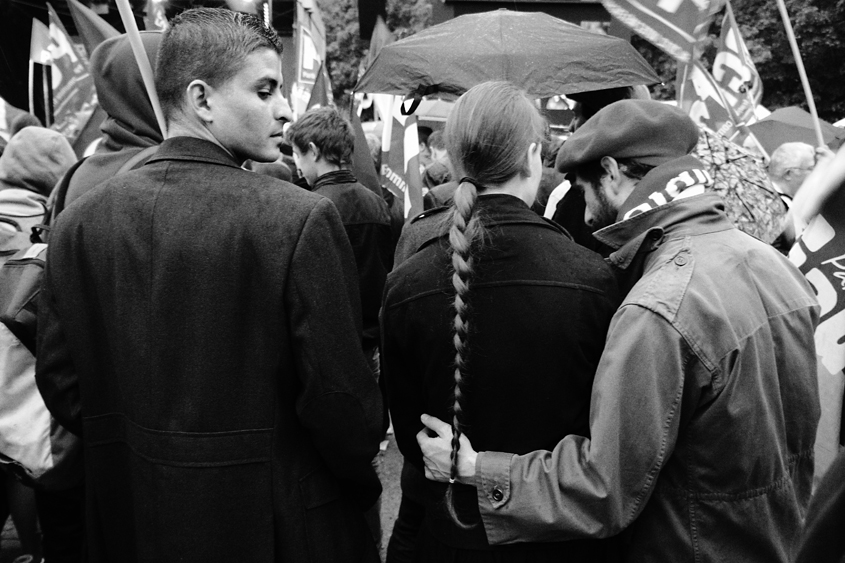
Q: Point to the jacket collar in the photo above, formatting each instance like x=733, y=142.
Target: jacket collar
x=645, y=232
x=194, y=150
x=335, y=177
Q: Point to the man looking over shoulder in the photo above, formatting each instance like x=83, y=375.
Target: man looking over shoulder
x=705, y=402
x=200, y=329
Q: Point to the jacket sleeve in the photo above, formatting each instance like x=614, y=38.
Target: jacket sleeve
x=339, y=402
x=55, y=374
x=596, y=487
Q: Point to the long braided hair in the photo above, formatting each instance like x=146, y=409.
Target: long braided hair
x=488, y=134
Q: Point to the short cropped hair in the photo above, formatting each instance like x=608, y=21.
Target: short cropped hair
x=329, y=132
x=208, y=44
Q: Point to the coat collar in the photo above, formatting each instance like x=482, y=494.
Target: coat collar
x=647, y=231
x=336, y=177
x=194, y=150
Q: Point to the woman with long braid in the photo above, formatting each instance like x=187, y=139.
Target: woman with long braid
x=495, y=316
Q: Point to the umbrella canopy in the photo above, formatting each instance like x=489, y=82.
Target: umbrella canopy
x=542, y=54
x=792, y=124
x=751, y=202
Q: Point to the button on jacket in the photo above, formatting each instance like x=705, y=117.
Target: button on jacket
x=704, y=410
x=539, y=306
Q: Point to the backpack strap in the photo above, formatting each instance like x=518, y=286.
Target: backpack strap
x=138, y=159
x=61, y=193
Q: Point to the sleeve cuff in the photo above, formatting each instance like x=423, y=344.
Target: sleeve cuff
x=493, y=480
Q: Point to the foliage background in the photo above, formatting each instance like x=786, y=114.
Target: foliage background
x=819, y=28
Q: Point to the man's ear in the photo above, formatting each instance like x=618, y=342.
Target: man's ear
x=198, y=93
x=611, y=168
x=312, y=148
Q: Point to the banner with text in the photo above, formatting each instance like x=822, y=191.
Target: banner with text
x=820, y=255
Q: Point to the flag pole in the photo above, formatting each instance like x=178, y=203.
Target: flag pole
x=790, y=34
x=31, y=87
x=141, y=57
x=45, y=87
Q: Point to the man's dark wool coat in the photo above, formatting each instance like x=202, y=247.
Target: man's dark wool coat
x=200, y=327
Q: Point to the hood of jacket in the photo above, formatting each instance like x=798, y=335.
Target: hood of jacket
x=35, y=159
x=131, y=121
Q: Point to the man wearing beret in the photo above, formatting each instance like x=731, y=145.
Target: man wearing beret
x=705, y=403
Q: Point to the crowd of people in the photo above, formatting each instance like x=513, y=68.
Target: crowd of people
x=582, y=358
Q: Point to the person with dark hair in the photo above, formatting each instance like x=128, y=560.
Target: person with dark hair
x=496, y=321
x=565, y=206
x=322, y=143
x=705, y=403
x=199, y=330
x=438, y=172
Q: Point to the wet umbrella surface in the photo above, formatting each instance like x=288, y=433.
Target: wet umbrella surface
x=537, y=52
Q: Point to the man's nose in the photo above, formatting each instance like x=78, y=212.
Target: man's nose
x=283, y=111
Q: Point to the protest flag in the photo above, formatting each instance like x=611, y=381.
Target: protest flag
x=362, y=162
x=74, y=97
x=820, y=255
x=701, y=98
x=381, y=36
x=675, y=26
x=321, y=89
x=735, y=72
x=39, y=54
x=400, y=165
x=92, y=29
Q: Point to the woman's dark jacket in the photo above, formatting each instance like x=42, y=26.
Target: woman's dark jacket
x=540, y=306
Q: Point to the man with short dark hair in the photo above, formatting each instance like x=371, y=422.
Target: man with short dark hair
x=705, y=402
x=322, y=143
x=200, y=328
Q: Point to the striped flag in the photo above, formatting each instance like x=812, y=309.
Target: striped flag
x=400, y=168
x=700, y=96
x=735, y=72
x=675, y=26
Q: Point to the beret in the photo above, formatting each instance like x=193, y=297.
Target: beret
x=647, y=131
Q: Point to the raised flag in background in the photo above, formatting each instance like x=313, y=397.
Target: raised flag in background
x=39, y=53
x=400, y=164
x=701, y=98
x=820, y=255
x=320, y=90
x=735, y=72
x=92, y=29
x=675, y=26
x=74, y=97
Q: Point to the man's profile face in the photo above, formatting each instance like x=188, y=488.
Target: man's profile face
x=249, y=109
x=599, y=212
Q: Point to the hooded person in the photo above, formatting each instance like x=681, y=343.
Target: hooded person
x=131, y=125
x=33, y=162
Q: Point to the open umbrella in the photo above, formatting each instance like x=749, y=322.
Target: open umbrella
x=792, y=124
x=740, y=178
x=540, y=53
